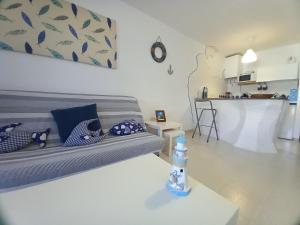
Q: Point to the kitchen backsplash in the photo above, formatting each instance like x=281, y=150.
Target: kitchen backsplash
x=280, y=87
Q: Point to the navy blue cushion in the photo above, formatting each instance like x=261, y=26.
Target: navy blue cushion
x=68, y=119
x=94, y=125
x=126, y=127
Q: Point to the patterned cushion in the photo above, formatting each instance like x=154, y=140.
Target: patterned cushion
x=18, y=139
x=126, y=127
x=3, y=137
x=82, y=134
x=14, y=141
x=9, y=127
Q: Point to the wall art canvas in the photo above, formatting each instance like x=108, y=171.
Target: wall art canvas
x=58, y=29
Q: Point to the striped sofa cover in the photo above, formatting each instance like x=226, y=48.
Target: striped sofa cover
x=33, y=165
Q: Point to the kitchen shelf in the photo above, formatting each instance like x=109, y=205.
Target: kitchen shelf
x=246, y=82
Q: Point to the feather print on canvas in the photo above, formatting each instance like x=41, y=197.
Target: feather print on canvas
x=58, y=29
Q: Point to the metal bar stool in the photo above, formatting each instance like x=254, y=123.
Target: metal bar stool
x=213, y=123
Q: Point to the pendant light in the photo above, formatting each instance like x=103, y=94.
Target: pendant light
x=249, y=56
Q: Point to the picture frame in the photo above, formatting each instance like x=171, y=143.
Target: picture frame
x=59, y=29
x=160, y=116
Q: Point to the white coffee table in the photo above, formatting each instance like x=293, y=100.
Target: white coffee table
x=131, y=192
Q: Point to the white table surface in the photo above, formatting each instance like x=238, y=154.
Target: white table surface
x=131, y=192
x=161, y=126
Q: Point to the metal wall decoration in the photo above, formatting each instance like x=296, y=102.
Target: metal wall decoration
x=170, y=70
x=58, y=29
x=161, y=46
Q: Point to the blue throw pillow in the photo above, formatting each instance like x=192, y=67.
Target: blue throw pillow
x=83, y=135
x=40, y=138
x=68, y=119
x=9, y=127
x=126, y=127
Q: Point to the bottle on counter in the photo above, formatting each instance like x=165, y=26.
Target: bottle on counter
x=205, y=93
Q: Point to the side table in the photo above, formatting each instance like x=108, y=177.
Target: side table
x=162, y=126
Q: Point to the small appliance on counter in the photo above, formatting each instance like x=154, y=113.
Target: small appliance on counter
x=245, y=95
x=286, y=128
x=228, y=94
x=278, y=96
x=203, y=94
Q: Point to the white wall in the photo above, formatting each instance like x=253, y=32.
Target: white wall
x=271, y=57
x=137, y=74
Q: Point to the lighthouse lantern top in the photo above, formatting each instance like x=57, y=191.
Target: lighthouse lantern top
x=181, y=139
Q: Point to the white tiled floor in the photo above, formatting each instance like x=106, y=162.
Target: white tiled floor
x=266, y=187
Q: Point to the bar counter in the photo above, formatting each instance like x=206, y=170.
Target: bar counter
x=249, y=124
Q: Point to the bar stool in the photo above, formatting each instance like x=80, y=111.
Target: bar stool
x=213, y=113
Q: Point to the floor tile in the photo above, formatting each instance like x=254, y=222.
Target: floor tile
x=266, y=187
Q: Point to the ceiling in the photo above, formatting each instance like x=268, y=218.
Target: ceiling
x=229, y=24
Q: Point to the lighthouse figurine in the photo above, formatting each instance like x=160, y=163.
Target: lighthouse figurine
x=178, y=183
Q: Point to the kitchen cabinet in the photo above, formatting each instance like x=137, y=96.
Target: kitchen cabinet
x=233, y=66
x=278, y=72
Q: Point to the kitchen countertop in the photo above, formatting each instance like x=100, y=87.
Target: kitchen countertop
x=233, y=99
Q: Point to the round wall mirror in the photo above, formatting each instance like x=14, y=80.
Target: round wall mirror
x=158, y=52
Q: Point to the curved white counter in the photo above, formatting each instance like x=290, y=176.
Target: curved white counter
x=249, y=124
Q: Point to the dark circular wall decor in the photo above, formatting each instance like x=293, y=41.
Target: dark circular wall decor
x=161, y=46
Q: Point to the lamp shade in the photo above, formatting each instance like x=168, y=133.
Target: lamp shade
x=249, y=57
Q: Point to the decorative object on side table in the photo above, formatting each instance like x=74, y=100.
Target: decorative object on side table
x=58, y=29
x=178, y=182
x=160, y=116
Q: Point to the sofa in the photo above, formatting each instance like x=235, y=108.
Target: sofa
x=33, y=165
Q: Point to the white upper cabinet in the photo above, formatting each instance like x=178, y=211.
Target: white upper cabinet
x=233, y=66
x=278, y=72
